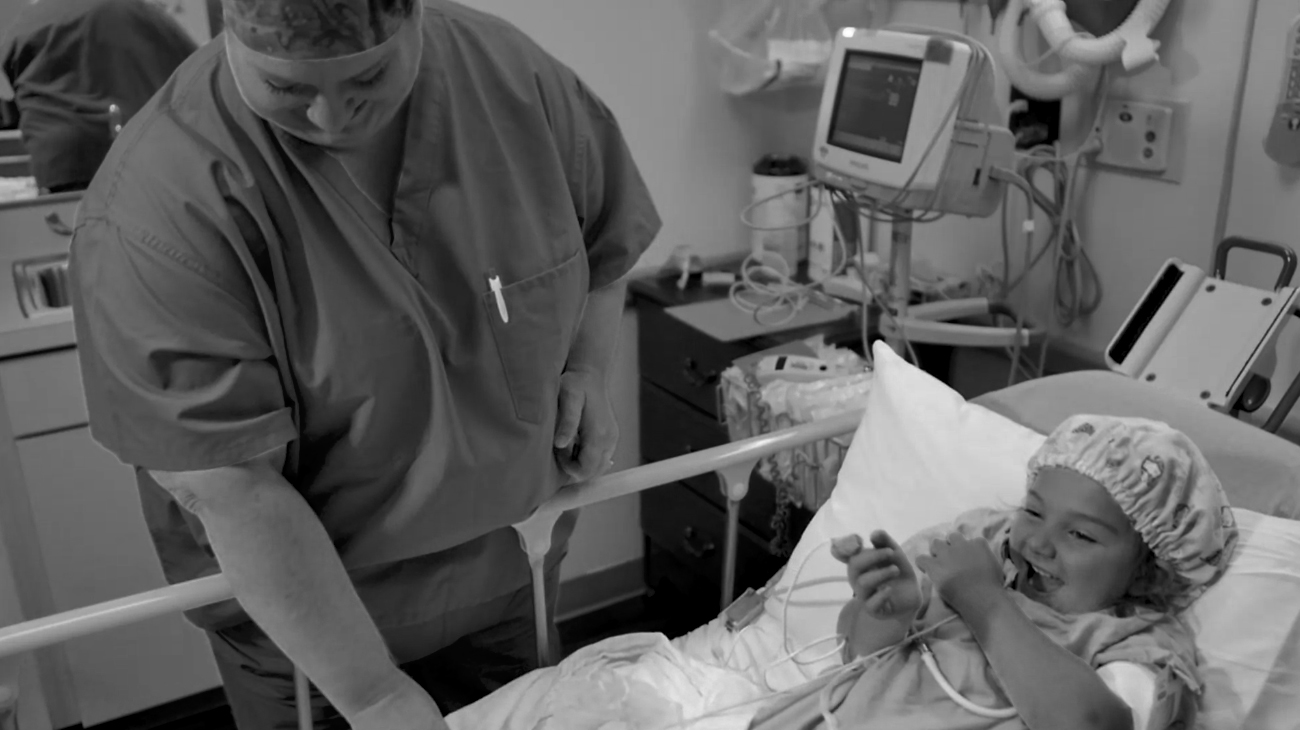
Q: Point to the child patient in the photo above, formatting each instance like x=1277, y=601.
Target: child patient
x=1123, y=524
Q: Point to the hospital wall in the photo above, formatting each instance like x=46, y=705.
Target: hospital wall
x=9, y=10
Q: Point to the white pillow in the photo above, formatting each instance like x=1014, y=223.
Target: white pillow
x=1247, y=628
x=922, y=455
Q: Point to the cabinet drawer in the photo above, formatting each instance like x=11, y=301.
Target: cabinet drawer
x=683, y=360
x=694, y=532
x=670, y=428
x=43, y=392
x=38, y=227
x=33, y=284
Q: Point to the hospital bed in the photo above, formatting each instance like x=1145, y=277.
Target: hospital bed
x=1260, y=471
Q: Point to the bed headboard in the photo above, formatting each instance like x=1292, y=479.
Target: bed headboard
x=1259, y=471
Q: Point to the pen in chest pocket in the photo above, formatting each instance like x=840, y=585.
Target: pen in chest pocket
x=494, y=284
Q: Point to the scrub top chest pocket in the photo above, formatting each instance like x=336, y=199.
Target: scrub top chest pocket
x=533, y=322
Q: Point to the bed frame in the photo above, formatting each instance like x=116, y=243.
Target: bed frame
x=732, y=462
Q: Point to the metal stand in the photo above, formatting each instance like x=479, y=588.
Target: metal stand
x=535, y=539
x=931, y=322
x=302, y=698
x=900, y=283
x=735, y=486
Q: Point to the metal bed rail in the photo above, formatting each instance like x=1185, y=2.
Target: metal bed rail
x=732, y=462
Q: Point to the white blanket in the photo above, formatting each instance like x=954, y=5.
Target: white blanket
x=630, y=682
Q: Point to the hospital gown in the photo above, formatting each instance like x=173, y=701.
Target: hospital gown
x=898, y=691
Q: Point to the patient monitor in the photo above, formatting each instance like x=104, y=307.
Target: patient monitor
x=1206, y=338
x=909, y=123
x=910, y=119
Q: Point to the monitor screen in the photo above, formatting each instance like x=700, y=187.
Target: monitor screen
x=873, y=107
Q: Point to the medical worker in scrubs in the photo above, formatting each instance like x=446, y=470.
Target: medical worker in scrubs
x=65, y=62
x=346, y=295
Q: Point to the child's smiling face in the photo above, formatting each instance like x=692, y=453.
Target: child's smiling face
x=1074, y=548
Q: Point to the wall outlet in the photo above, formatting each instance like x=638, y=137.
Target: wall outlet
x=1142, y=137
x=1136, y=135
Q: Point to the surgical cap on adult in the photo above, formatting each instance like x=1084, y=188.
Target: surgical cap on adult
x=312, y=29
x=1161, y=480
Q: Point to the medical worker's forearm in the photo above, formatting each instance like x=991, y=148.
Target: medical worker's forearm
x=1050, y=687
x=289, y=578
x=597, y=338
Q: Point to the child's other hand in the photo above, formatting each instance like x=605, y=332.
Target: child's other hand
x=962, y=569
x=882, y=577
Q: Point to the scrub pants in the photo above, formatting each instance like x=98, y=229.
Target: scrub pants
x=258, y=678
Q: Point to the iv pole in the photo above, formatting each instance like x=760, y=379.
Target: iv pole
x=900, y=282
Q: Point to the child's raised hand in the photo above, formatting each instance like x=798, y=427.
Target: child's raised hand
x=882, y=577
x=961, y=569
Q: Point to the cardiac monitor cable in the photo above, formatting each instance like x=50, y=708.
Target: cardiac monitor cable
x=849, y=668
x=916, y=636
x=927, y=657
x=837, y=675
x=1073, y=268
x=785, y=292
x=774, y=284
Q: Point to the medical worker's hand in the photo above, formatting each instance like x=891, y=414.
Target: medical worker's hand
x=585, y=430
x=964, y=571
x=881, y=576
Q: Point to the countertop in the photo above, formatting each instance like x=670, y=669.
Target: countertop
x=53, y=332
x=662, y=290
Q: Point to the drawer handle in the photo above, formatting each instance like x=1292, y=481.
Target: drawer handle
x=691, y=545
x=697, y=378
x=57, y=225
x=42, y=284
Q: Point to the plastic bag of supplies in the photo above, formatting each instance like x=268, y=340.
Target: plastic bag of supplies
x=764, y=45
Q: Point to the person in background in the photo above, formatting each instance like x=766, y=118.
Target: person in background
x=347, y=293
x=65, y=62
